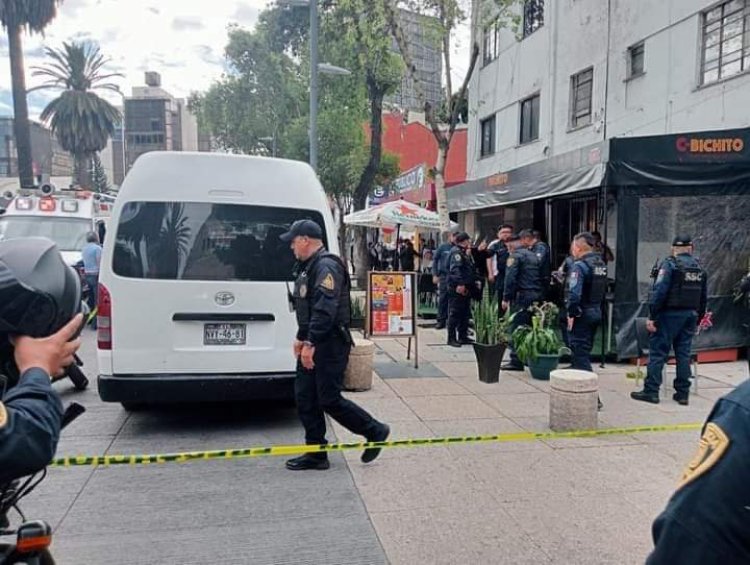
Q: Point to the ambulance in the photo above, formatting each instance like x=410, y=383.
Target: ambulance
x=63, y=215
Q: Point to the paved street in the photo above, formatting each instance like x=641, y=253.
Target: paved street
x=563, y=501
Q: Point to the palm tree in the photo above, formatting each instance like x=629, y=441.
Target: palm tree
x=34, y=15
x=79, y=118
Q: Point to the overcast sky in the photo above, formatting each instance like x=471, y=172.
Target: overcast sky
x=183, y=40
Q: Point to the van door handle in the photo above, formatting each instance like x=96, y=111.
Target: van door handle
x=224, y=317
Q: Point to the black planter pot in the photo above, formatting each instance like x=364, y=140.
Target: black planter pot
x=489, y=359
x=357, y=324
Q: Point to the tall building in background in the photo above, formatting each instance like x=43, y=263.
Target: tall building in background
x=426, y=55
x=154, y=120
x=49, y=159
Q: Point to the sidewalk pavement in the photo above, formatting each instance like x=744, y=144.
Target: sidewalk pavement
x=568, y=501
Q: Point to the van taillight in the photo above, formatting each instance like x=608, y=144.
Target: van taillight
x=104, y=318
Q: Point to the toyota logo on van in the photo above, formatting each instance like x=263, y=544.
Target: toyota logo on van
x=224, y=298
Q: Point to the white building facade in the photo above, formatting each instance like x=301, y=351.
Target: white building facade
x=593, y=107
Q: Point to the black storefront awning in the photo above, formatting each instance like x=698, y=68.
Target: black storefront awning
x=686, y=161
x=571, y=172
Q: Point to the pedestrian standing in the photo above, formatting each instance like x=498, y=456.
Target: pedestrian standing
x=523, y=287
x=678, y=301
x=322, y=346
x=407, y=254
x=587, y=285
x=440, y=278
x=496, y=264
x=463, y=280
x=91, y=254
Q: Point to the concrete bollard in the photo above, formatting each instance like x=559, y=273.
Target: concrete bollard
x=358, y=376
x=573, y=400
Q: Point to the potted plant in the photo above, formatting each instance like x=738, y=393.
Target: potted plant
x=358, y=314
x=491, y=337
x=539, y=346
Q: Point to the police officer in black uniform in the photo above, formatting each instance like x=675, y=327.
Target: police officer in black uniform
x=587, y=285
x=322, y=346
x=36, y=281
x=497, y=261
x=678, y=301
x=440, y=261
x=523, y=287
x=532, y=240
x=463, y=284
x=707, y=520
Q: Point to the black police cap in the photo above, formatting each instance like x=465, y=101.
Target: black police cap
x=462, y=236
x=682, y=241
x=302, y=228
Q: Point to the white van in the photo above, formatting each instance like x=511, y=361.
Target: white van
x=193, y=296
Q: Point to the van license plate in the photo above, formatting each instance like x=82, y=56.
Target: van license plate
x=224, y=334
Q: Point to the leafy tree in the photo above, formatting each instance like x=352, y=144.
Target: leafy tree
x=15, y=15
x=446, y=16
x=99, y=179
x=81, y=120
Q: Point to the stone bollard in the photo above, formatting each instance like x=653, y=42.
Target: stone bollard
x=358, y=376
x=573, y=400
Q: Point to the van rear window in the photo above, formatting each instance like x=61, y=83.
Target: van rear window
x=205, y=242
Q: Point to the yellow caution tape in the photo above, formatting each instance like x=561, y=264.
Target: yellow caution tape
x=79, y=461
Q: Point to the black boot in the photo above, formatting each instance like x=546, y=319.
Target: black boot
x=372, y=453
x=308, y=462
x=645, y=396
x=681, y=398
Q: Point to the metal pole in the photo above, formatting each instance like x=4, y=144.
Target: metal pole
x=314, y=84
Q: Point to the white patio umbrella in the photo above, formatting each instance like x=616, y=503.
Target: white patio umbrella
x=396, y=214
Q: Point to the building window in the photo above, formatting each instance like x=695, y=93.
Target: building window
x=488, y=137
x=726, y=41
x=491, y=42
x=533, y=16
x=581, y=90
x=636, y=60
x=530, y=119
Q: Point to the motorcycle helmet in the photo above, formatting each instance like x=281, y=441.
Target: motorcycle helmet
x=39, y=293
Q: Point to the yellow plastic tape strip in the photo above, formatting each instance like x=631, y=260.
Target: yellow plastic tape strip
x=244, y=453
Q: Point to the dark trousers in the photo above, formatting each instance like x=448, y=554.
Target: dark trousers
x=443, y=301
x=458, y=317
x=92, y=300
x=521, y=317
x=674, y=329
x=318, y=392
x=581, y=337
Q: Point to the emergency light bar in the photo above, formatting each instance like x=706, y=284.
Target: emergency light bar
x=47, y=204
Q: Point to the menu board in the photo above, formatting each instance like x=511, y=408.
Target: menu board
x=392, y=304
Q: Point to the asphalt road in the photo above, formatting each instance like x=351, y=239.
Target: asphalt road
x=234, y=511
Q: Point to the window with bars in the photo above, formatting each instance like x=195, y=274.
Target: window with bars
x=581, y=91
x=636, y=60
x=533, y=16
x=726, y=41
x=530, y=119
x=491, y=43
x=487, y=146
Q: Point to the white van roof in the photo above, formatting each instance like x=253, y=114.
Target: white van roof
x=198, y=177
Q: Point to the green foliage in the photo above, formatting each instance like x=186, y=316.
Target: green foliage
x=541, y=338
x=81, y=120
x=34, y=15
x=358, y=310
x=490, y=328
x=99, y=179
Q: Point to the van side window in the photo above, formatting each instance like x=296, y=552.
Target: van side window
x=205, y=242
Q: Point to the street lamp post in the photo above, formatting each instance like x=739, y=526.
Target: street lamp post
x=315, y=68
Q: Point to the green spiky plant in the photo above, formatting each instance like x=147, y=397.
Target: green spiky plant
x=490, y=329
x=541, y=338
